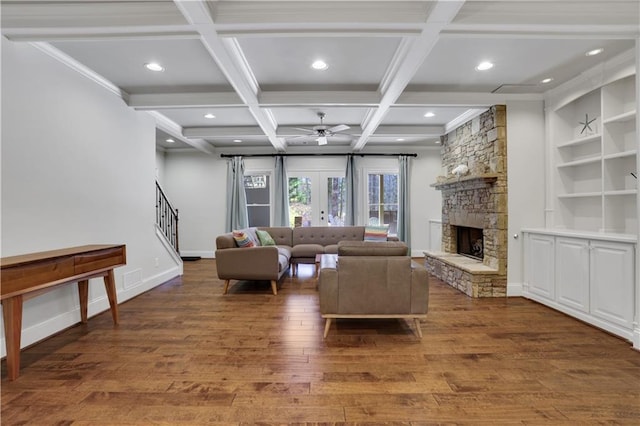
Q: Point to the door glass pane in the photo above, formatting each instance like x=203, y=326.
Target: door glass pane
x=300, y=201
x=336, y=200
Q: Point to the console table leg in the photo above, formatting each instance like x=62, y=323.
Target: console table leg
x=110, y=286
x=83, y=292
x=12, y=316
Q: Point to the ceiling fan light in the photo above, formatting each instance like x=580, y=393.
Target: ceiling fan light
x=322, y=140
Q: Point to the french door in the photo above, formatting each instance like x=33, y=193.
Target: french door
x=317, y=198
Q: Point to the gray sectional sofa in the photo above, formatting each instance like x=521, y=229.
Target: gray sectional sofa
x=293, y=246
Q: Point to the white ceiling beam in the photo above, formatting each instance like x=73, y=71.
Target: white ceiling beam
x=153, y=101
x=183, y=32
x=198, y=14
x=320, y=97
x=410, y=56
x=542, y=31
x=176, y=131
x=462, y=99
x=407, y=131
x=221, y=131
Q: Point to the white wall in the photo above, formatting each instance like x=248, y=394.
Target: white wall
x=526, y=181
x=160, y=166
x=77, y=168
x=196, y=184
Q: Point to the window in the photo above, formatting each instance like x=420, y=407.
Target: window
x=258, y=190
x=382, y=205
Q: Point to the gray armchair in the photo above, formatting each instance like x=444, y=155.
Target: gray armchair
x=372, y=280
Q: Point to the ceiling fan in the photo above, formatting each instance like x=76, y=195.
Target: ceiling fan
x=322, y=131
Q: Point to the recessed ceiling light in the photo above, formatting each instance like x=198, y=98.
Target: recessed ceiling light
x=400, y=139
x=170, y=140
x=429, y=114
x=154, y=66
x=319, y=65
x=546, y=80
x=483, y=66
x=237, y=140
x=594, y=52
x=209, y=116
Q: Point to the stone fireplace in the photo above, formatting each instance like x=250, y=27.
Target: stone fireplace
x=474, y=207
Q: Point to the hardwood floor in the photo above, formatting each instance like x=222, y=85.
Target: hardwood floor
x=186, y=354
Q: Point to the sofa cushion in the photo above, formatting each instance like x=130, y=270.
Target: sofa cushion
x=331, y=249
x=372, y=248
x=243, y=239
x=326, y=235
x=306, y=250
x=375, y=233
x=265, y=238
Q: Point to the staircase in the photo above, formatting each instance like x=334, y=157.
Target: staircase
x=167, y=218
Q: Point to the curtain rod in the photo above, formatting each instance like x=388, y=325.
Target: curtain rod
x=315, y=155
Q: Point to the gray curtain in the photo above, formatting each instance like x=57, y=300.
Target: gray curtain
x=237, y=216
x=350, y=182
x=281, y=193
x=404, y=223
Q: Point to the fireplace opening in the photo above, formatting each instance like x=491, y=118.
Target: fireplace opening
x=470, y=242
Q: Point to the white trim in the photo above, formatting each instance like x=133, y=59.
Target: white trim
x=167, y=245
x=81, y=69
x=205, y=254
x=514, y=289
x=463, y=118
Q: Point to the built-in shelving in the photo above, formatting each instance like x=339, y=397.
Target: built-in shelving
x=595, y=148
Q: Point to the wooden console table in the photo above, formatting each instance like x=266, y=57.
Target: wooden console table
x=26, y=276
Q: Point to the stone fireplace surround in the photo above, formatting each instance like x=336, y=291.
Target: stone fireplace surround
x=478, y=200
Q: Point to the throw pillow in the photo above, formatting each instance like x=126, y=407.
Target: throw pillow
x=242, y=239
x=375, y=233
x=265, y=238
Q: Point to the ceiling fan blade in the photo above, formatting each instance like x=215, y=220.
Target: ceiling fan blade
x=338, y=128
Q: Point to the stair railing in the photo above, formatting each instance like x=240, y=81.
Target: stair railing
x=167, y=218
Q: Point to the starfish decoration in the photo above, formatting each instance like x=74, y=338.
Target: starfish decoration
x=586, y=124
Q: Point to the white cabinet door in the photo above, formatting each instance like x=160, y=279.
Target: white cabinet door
x=572, y=273
x=539, y=265
x=612, y=282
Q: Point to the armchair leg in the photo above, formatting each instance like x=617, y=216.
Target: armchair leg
x=416, y=321
x=274, y=287
x=327, y=325
x=226, y=286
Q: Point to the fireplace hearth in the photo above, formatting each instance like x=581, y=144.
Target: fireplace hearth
x=470, y=242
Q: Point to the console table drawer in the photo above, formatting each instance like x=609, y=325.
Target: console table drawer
x=102, y=259
x=19, y=278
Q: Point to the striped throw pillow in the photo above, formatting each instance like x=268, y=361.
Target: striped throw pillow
x=242, y=239
x=375, y=233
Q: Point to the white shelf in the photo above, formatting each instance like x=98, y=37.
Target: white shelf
x=580, y=141
x=623, y=154
x=621, y=192
x=581, y=195
x=580, y=162
x=625, y=116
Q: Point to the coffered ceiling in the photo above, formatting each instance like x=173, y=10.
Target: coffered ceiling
x=248, y=63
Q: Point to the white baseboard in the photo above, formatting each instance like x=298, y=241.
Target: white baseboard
x=201, y=253
x=514, y=289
